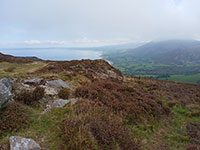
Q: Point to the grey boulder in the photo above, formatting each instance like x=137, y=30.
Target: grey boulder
x=57, y=84
x=19, y=143
x=59, y=103
x=5, y=91
x=7, y=82
x=44, y=100
x=34, y=81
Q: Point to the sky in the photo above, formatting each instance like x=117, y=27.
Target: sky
x=71, y=23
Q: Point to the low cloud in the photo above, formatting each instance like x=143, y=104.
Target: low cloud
x=83, y=42
x=97, y=22
x=32, y=42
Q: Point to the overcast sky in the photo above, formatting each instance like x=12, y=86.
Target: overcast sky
x=96, y=22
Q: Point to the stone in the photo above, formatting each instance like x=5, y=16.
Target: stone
x=20, y=143
x=34, y=81
x=7, y=82
x=5, y=91
x=50, y=91
x=57, y=83
x=59, y=103
x=44, y=100
x=18, y=87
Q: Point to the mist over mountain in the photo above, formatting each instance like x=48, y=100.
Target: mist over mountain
x=160, y=59
x=168, y=52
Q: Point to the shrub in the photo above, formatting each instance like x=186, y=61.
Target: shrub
x=129, y=102
x=12, y=118
x=93, y=126
x=64, y=93
x=29, y=97
x=24, y=97
x=38, y=93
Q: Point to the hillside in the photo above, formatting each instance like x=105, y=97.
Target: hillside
x=169, y=52
x=12, y=59
x=90, y=105
x=167, y=60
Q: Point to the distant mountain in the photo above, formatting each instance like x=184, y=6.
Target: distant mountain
x=123, y=46
x=168, y=52
x=14, y=59
x=161, y=60
x=115, y=48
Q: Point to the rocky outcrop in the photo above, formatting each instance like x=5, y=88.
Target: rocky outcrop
x=5, y=91
x=19, y=143
x=52, y=87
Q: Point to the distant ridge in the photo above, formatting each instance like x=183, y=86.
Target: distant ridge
x=168, y=52
x=13, y=59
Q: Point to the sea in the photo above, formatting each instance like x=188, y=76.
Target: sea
x=59, y=54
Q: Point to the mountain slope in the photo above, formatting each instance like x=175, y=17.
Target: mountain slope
x=105, y=112
x=12, y=59
x=163, y=60
x=168, y=52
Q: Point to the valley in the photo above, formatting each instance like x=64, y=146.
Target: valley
x=173, y=60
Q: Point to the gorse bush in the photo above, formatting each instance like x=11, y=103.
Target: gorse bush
x=29, y=97
x=64, y=93
x=129, y=102
x=92, y=126
x=12, y=118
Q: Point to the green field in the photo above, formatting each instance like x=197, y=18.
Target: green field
x=184, y=78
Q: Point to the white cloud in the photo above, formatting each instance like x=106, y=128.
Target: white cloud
x=32, y=42
x=83, y=42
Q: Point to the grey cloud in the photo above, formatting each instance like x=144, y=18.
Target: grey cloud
x=65, y=20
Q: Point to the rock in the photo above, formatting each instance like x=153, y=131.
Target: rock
x=59, y=103
x=7, y=83
x=18, y=87
x=44, y=100
x=34, y=81
x=50, y=91
x=19, y=143
x=57, y=83
x=5, y=91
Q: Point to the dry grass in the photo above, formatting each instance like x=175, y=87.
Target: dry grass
x=13, y=118
x=92, y=126
x=15, y=69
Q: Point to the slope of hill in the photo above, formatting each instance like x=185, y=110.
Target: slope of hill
x=12, y=59
x=105, y=109
x=162, y=60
